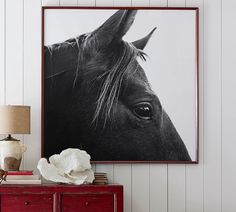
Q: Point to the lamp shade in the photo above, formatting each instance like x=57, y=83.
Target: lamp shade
x=14, y=119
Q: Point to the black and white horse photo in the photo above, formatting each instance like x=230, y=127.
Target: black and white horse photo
x=98, y=98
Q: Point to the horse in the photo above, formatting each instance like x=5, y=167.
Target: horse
x=97, y=98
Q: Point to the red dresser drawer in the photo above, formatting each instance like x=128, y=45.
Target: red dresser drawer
x=27, y=203
x=88, y=202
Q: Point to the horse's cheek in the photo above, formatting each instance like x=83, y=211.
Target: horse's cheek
x=121, y=115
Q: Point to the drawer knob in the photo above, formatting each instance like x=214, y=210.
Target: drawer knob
x=26, y=203
x=87, y=203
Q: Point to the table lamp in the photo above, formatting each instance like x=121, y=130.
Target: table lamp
x=14, y=119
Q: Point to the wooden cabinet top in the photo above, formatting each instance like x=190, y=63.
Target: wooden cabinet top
x=60, y=188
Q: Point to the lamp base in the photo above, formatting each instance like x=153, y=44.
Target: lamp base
x=11, y=152
x=11, y=164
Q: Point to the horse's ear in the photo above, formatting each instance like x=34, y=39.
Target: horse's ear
x=141, y=43
x=115, y=27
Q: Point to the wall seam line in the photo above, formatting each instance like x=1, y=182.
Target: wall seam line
x=221, y=97
x=131, y=199
x=149, y=184
x=5, y=50
x=185, y=191
x=203, y=99
x=167, y=188
x=113, y=173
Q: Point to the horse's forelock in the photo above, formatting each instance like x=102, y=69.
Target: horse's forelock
x=111, y=80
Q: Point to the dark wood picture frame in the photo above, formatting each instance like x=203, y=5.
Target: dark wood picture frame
x=196, y=71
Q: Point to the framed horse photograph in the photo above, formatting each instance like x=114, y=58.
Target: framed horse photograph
x=121, y=83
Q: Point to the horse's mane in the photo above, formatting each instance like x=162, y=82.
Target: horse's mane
x=111, y=82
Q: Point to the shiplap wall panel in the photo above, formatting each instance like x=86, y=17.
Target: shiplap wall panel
x=14, y=83
x=2, y=54
x=194, y=173
x=140, y=187
x=68, y=2
x=14, y=52
x=228, y=105
x=158, y=188
x=2, y=51
x=138, y=3
x=104, y=3
x=176, y=188
x=32, y=79
x=176, y=173
x=212, y=105
x=155, y=187
x=176, y=3
x=87, y=3
x=50, y=2
x=158, y=3
x=123, y=175
x=122, y=3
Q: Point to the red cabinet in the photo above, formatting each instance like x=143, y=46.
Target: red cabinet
x=26, y=202
x=88, y=202
x=61, y=198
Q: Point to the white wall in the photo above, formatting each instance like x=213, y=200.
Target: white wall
x=209, y=186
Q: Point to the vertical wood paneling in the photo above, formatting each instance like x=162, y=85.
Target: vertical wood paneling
x=212, y=105
x=176, y=3
x=32, y=79
x=228, y=106
x=140, y=3
x=158, y=188
x=50, y=2
x=176, y=188
x=123, y=175
x=140, y=187
x=194, y=173
x=2, y=54
x=2, y=51
x=176, y=173
x=14, y=52
x=68, y=2
x=86, y=3
x=104, y=3
x=122, y=3
x=158, y=3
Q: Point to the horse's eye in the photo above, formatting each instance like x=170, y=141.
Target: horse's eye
x=143, y=110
